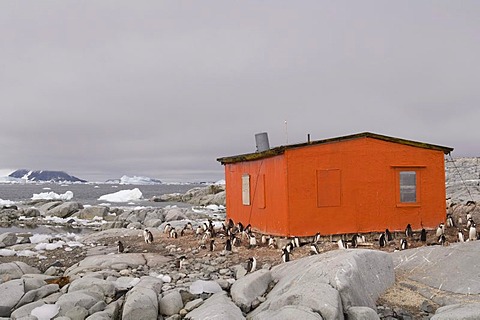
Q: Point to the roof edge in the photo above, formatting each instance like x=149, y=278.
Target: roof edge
x=281, y=149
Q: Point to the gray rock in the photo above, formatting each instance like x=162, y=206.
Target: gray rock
x=31, y=212
x=34, y=295
x=65, y=209
x=26, y=309
x=8, y=238
x=33, y=283
x=48, y=206
x=246, y=289
x=359, y=276
x=361, y=313
x=175, y=214
x=106, y=288
x=153, y=223
x=10, y=294
x=15, y=270
x=76, y=313
x=97, y=307
x=171, y=303
x=218, y=306
x=92, y=212
x=82, y=299
x=141, y=302
x=468, y=311
x=189, y=306
x=111, y=311
x=288, y=312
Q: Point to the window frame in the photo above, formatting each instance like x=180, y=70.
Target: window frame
x=418, y=185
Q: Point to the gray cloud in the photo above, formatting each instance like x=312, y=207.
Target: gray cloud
x=102, y=89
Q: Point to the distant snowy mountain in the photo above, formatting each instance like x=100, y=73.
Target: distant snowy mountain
x=44, y=176
x=135, y=180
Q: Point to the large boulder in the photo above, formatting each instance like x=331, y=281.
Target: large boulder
x=15, y=270
x=106, y=288
x=245, y=290
x=8, y=238
x=93, y=212
x=218, y=306
x=142, y=301
x=10, y=294
x=171, y=303
x=330, y=283
x=468, y=311
x=65, y=209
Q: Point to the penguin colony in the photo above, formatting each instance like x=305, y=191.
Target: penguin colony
x=233, y=237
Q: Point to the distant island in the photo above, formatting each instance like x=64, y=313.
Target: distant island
x=44, y=176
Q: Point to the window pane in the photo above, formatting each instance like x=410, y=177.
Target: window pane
x=246, y=189
x=408, y=186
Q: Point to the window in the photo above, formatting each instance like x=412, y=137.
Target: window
x=408, y=186
x=246, y=189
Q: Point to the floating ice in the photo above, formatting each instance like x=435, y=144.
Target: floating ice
x=49, y=246
x=201, y=286
x=37, y=238
x=6, y=202
x=45, y=312
x=123, y=196
x=68, y=195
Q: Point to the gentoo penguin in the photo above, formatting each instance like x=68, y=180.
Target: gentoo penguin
x=289, y=247
x=251, y=264
x=230, y=224
x=409, y=231
x=382, y=241
x=440, y=229
x=180, y=262
x=469, y=222
x=167, y=228
x=212, y=245
x=388, y=235
x=354, y=241
x=285, y=255
x=263, y=239
x=173, y=233
x=403, y=244
x=442, y=239
x=120, y=246
x=296, y=242
x=316, y=239
x=423, y=235
x=147, y=236
x=472, y=233
x=341, y=244
x=252, y=241
x=450, y=222
x=461, y=238
x=272, y=243
x=198, y=231
x=228, y=245
x=313, y=248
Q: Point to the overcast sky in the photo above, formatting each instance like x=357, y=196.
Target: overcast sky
x=102, y=89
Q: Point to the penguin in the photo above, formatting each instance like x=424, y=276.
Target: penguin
x=472, y=233
x=461, y=238
x=252, y=241
x=469, y=222
x=354, y=241
x=240, y=227
x=147, y=236
x=212, y=245
x=316, y=238
x=251, y=264
x=198, y=231
x=450, y=222
x=188, y=225
x=289, y=247
x=296, y=242
x=341, y=245
x=167, y=228
x=382, y=241
x=180, y=262
x=409, y=231
x=388, y=235
x=173, y=233
x=423, y=235
x=442, y=240
x=120, y=246
x=263, y=240
x=313, y=249
x=230, y=224
x=285, y=255
x=440, y=229
x=228, y=245
x=403, y=244
x=272, y=243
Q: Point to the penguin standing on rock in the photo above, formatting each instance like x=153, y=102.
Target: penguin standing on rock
x=285, y=255
x=228, y=245
x=450, y=222
x=382, y=242
x=212, y=245
x=461, y=238
x=388, y=235
x=440, y=229
x=120, y=246
x=251, y=264
x=180, y=262
x=423, y=235
x=313, y=249
x=403, y=244
x=472, y=232
x=442, y=240
x=409, y=231
x=147, y=236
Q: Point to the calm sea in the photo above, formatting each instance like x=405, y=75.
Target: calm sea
x=88, y=194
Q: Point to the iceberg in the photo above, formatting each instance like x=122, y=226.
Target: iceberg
x=122, y=196
x=53, y=196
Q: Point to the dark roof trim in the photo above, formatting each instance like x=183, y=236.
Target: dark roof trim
x=281, y=149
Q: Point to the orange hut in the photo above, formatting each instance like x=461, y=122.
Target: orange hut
x=362, y=183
